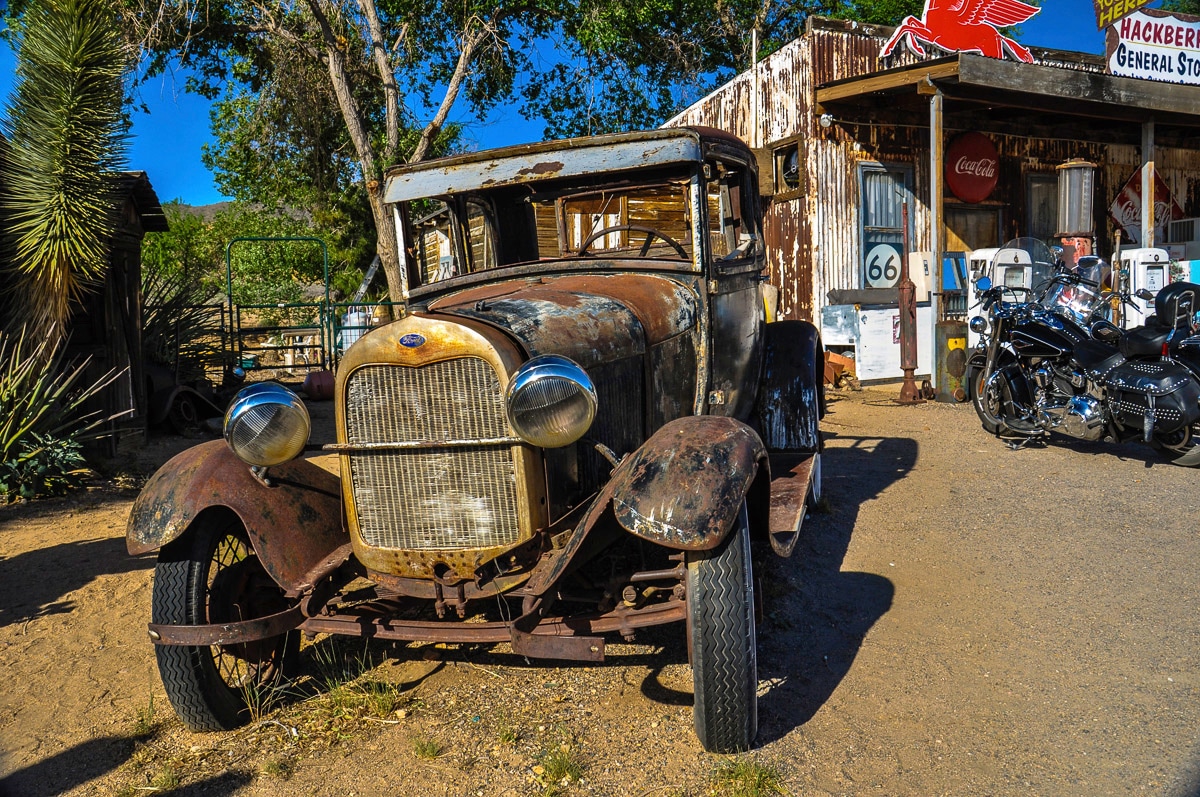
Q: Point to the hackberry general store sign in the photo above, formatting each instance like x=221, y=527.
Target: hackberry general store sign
x=1154, y=45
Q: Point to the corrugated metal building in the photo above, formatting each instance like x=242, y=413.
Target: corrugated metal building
x=845, y=136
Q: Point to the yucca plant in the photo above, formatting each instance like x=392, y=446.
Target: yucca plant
x=43, y=418
x=66, y=134
x=179, y=330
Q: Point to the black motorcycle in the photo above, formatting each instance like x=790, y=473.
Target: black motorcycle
x=1049, y=360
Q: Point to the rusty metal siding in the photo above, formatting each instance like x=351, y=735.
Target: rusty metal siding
x=814, y=239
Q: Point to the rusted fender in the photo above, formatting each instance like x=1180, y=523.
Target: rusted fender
x=791, y=391
x=684, y=486
x=293, y=525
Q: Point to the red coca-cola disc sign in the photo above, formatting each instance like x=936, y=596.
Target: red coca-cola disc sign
x=972, y=166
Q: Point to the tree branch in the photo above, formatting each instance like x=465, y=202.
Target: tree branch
x=391, y=94
x=471, y=40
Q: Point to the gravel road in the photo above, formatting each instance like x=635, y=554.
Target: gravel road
x=965, y=619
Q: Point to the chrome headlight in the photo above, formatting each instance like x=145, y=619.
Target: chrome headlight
x=978, y=324
x=266, y=424
x=551, y=401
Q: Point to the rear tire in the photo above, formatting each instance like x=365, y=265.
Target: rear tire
x=721, y=638
x=1181, y=447
x=212, y=575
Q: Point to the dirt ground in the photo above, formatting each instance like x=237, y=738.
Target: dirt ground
x=964, y=620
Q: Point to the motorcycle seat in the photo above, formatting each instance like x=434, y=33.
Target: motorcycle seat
x=1143, y=341
x=1175, y=304
x=1097, y=358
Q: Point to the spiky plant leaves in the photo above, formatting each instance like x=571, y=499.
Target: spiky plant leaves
x=66, y=136
x=43, y=417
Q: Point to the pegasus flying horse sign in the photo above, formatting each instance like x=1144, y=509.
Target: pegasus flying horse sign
x=964, y=26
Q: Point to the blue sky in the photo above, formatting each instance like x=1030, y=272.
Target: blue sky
x=166, y=142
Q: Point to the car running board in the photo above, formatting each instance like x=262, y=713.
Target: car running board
x=791, y=480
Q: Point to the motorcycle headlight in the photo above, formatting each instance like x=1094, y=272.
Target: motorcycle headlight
x=978, y=324
x=551, y=401
x=266, y=424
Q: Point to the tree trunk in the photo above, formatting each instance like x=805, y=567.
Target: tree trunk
x=385, y=245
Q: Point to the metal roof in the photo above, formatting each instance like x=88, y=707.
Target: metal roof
x=547, y=160
x=1074, y=88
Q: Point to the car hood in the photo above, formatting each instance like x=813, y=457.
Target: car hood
x=590, y=318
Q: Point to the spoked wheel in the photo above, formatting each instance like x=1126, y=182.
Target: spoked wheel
x=721, y=638
x=988, y=400
x=212, y=575
x=1182, y=446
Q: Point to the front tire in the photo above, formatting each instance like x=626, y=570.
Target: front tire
x=212, y=575
x=987, y=401
x=722, y=642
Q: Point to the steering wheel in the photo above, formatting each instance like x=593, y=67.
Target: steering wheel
x=650, y=232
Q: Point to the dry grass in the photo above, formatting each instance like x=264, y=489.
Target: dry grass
x=744, y=777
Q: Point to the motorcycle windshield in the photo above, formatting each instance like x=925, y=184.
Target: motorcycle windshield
x=1024, y=263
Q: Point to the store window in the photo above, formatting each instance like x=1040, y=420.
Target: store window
x=1041, y=205
x=884, y=190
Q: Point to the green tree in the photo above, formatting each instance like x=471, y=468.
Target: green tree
x=66, y=141
x=392, y=69
x=1182, y=6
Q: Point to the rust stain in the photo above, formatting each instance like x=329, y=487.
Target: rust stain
x=293, y=525
x=684, y=486
x=542, y=169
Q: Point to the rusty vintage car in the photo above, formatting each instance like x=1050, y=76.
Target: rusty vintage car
x=577, y=428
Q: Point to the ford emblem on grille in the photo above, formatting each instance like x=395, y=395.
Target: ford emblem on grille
x=412, y=341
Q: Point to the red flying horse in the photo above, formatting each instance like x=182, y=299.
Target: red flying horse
x=965, y=26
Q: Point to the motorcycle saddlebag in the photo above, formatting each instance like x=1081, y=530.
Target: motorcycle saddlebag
x=1162, y=391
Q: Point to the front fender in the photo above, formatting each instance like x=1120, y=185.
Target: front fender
x=684, y=486
x=294, y=525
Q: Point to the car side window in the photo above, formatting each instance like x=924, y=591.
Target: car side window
x=481, y=236
x=434, y=246
x=732, y=230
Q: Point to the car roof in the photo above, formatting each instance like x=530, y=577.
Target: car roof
x=576, y=157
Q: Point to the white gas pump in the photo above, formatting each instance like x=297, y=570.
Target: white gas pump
x=1142, y=268
x=1013, y=269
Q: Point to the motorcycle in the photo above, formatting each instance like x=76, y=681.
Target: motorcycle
x=1049, y=360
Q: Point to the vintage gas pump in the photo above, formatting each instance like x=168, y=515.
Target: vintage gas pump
x=1147, y=268
x=1011, y=268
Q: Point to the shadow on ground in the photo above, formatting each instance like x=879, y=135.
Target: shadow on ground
x=817, y=614
x=32, y=584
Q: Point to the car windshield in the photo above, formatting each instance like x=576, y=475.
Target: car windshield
x=470, y=232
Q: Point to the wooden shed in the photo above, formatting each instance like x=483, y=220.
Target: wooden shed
x=847, y=137
x=108, y=326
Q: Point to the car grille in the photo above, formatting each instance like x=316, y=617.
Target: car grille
x=441, y=498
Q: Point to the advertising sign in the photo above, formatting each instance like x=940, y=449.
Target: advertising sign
x=966, y=26
x=1153, y=45
x=1126, y=209
x=972, y=167
x=1109, y=11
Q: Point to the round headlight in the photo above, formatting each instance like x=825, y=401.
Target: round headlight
x=978, y=324
x=266, y=424
x=551, y=401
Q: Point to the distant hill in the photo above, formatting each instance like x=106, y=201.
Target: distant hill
x=205, y=212
x=208, y=212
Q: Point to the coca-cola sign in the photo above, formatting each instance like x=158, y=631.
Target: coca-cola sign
x=1126, y=209
x=972, y=167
